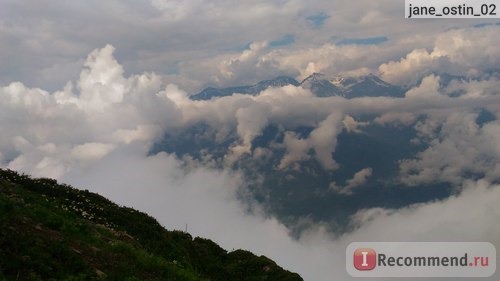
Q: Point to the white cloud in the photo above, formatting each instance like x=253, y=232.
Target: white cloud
x=110, y=120
x=351, y=125
x=206, y=201
x=428, y=88
x=324, y=140
x=453, y=52
x=91, y=151
x=296, y=150
x=102, y=83
x=454, y=219
x=146, y=111
x=251, y=121
x=44, y=131
x=458, y=149
x=189, y=41
x=95, y=132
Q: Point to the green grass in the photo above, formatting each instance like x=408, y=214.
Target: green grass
x=52, y=231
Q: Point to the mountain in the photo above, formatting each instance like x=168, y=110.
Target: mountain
x=319, y=84
x=304, y=190
x=350, y=87
x=211, y=92
x=51, y=231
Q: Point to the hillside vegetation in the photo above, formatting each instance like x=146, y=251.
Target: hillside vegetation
x=52, y=231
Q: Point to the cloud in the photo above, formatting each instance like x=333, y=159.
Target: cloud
x=351, y=125
x=297, y=150
x=97, y=135
x=358, y=179
x=91, y=151
x=186, y=41
x=206, y=201
x=460, y=149
x=428, y=88
x=454, y=52
x=324, y=140
x=47, y=133
x=87, y=115
x=96, y=131
x=448, y=220
x=396, y=118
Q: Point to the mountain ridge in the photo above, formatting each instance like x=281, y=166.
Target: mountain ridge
x=350, y=86
x=52, y=231
x=211, y=92
x=318, y=83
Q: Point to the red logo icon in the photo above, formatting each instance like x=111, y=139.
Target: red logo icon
x=365, y=259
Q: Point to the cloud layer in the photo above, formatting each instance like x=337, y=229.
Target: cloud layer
x=218, y=41
x=96, y=133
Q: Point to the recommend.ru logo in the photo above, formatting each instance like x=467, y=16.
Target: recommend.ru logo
x=365, y=259
x=421, y=259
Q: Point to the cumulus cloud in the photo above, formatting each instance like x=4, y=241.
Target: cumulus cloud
x=428, y=88
x=454, y=52
x=451, y=52
x=147, y=109
x=46, y=133
x=461, y=148
x=96, y=133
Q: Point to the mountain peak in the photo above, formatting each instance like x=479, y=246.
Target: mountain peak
x=277, y=82
x=319, y=84
x=350, y=86
x=316, y=76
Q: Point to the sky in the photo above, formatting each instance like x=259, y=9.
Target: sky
x=86, y=87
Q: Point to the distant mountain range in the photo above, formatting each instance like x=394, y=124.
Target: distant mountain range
x=211, y=92
x=319, y=84
x=307, y=190
x=350, y=87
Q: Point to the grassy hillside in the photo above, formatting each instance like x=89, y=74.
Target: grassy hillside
x=52, y=231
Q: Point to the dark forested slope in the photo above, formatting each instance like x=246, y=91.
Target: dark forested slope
x=52, y=231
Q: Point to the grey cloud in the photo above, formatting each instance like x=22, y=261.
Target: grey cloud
x=97, y=135
x=177, y=37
